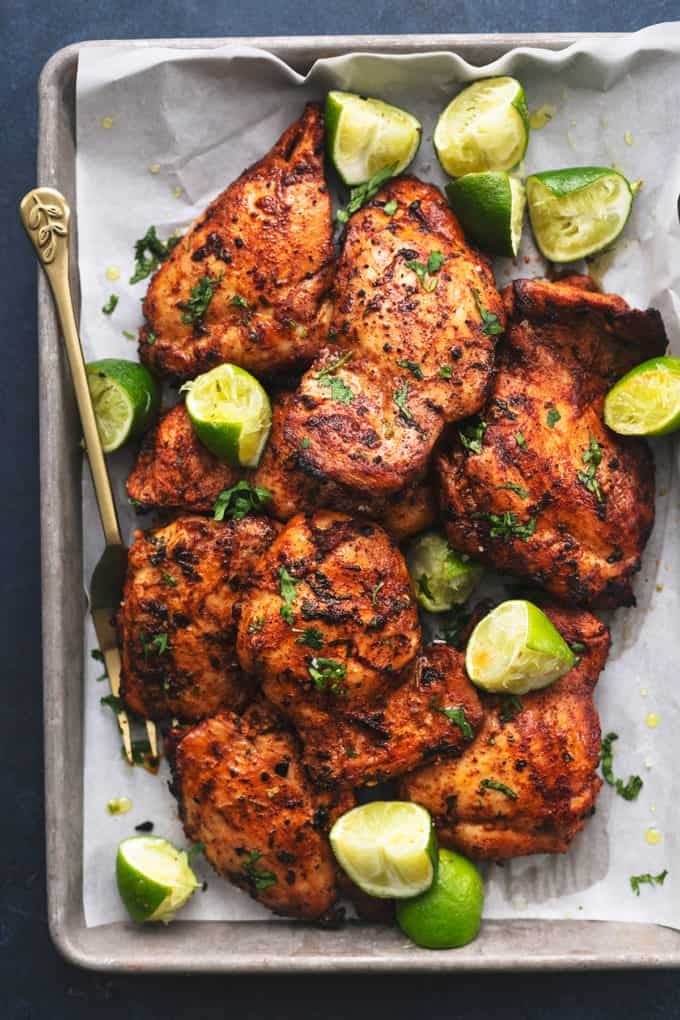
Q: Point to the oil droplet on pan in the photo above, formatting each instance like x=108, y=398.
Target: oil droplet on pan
x=113, y=273
x=107, y=122
x=652, y=720
x=653, y=836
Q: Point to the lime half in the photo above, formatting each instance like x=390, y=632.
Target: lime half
x=442, y=577
x=364, y=136
x=154, y=878
x=577, y=212
x=646, y=402
x=388, y=848
x=486, y=127
x=490, y=207
x=516, y=649
x=450, y=912
x=230, y=413
x=125, y=398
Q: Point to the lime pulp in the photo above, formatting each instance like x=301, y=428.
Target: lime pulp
x=125, y=398
x=388, y=848
x=442, y=577
x=516, y=649
x=578, y=211
x=646, y=401
x=364, y=136
x=490, y=208
x=154, y=878
x=230, y=413
x=449, y=913
x=485, y=127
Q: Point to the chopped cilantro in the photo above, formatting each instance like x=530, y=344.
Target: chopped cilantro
x=511, y=487
x=507, y=527
x=150, y=337
x=632, y=787
x=456, y=716
x=520, y=440
x=425, y=271
x=112, y=702
x=288, y=591
x=435, y=261
x=445, y=372
x=340, y=391
x=328, y=675
x=150, y=251
x=240, y=500
x=312, y=637
x=472, y=435
x=511, y=706
x=390, y=207
x=128, y=335
x=592, y=457
x=493, y=784
x=304, y=445
x=332, y=368
x=491, y=325
x=110, y=304
x=413, y=368
x=363, y=193
x=552, y=417
x=637, y=880
x=400, y=397
x=260, y=878
x=169, y=580
x=375, y=592
x=196, y=305
x=238, y=301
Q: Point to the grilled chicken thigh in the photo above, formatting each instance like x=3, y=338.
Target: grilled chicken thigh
x=248, y=282
x=244, y=795
x=414, y=349
x=538, y=486
x=329, y=615
x=175, y=621
x=527, y=784
x=175, y=470
x=432, y=715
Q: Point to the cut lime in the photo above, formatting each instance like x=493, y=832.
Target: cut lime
x=442, y=577
x=230, y=413
x=154, y=878
x=387, y=847
x=486, y=127
x=450, y=912
x=490, y=207
x=516, y=649
x=646, y=402
x=364, y=136
x=125, y=398
x=577, y=212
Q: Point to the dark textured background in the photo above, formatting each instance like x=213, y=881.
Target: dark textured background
x=34, y=981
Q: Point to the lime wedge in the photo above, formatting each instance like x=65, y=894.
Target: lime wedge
x=125, y=397
x=577, y=212
x=449, y=913
x=516, y=649
x=646, y=402
x=364, y=136
x=442, y=577
x=388, y=848
x=486, y=127
x=154, y=878
x=490, y=207
x=230, y=413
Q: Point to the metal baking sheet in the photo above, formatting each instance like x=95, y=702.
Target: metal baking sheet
x=275, y=946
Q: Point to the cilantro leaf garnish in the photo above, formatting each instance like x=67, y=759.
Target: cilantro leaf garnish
x=328, y=675
x=200, y=296
x=445, y=371
x=472, y=435
x=520, y=440
x=491, y=324
x=493, y=784
x=150, y=251
x=340, y=391
x=110, y=305
x=288, y=591
x=637, y=880
x=334, y=366
x=390, y=207
x=413, y=367
x=552, y=417
x=238, y=302
x=426, y=271
x=456, y=716
x=400, y=397
x=628, y=790
x=592, y=458
x=512, y=487
x=363, y=193
x=507, y=527
x=312, y=637
x=240, y=500
x=259, y=877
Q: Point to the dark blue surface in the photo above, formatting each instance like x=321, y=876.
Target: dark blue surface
x=34, y=982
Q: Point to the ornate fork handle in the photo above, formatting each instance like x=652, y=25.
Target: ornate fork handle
x=46, y=218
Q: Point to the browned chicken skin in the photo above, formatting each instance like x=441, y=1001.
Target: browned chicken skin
x=410, y=726
x=244, y=795
x=329, y=615
x=360, y=418
x=175, y=621
x=553, y=495
x=265, y=248
x=545, y=756
x=175, y=470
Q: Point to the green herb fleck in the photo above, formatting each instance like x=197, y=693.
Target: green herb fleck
x=98, y=657
x=328, y=675
x=456, y=716
x=453, y=626
x=288, y=591
x=304, y=445
x=507, y=527
x=333, y=368
x=169, y=580
x=520, y=440
x=375, y=593
x=260, y=878
x=340, y=391
x=592, y=457
x=493, y=784
x=552, y=417
x=150, y=251
x=472, y=435
x=577, y=647
x=632, y=787
x=511, y=487
x=400, y=397
x=238, y=301
x=413, y=368
x=363, y=193
x=196, y=305
x=491, y=325
x=110, y=305
x=240, y=500
x=312, y=637
x=128, y=335
x=390, y=207
x=511, y=706
x=112, y=702
x=425, y=271
x=637, y=880
x=445, y=372
x=150, y=337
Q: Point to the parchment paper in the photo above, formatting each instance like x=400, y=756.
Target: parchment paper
x=199, y=117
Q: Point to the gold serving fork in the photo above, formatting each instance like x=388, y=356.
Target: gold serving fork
x=45, y=215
